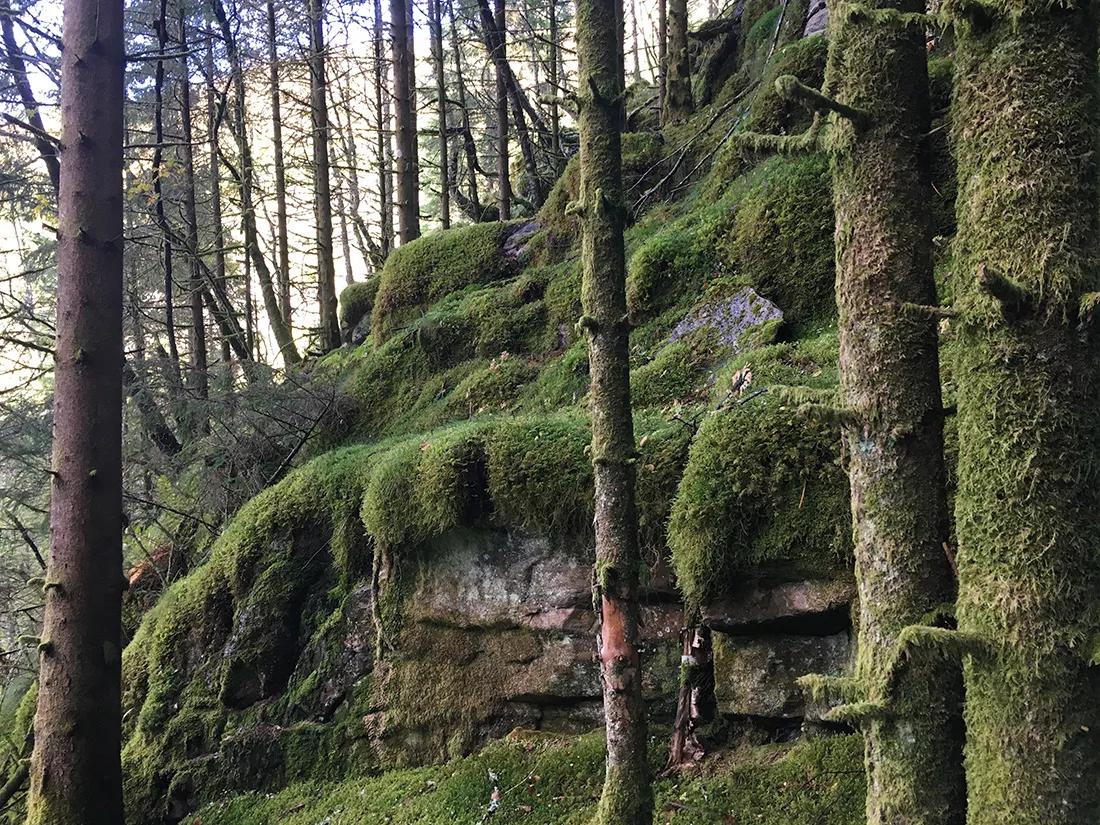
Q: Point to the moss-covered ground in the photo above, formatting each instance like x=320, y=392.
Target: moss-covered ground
x=549, y=780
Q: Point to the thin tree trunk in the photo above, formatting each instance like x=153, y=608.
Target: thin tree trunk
x=199, y=379
x=1027, y=371
x=158, y=198
x=890, y=389
x=627, y=795
x=17, y=67
x=282, y=240
x=662, y=57
x=468, y=143
x=76, y=773
x=408, y=175
x=558, y=161
x=637, y=72
x=229, y=343
x=694, y=700
x=345, y=241
x=677, y=63
x=435, y=19
x=494, y=34
x=498, y=48
x=322, y=195
x=283, y=336
x=382, y=145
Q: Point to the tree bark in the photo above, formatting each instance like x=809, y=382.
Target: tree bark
x=468, y=143
x=283, y=336
x=230, y=342
x=498, y=45
x=281, y=236
x=662, y=57
x=677, y=63
x=435, y=20
x=76, y=774
x=557, y=157
x=200, y=385
x=627, y=794
x=158, y=198
x=408, y=175
x=382, y=144
x=1027, y=371
x=322, y=194
x=494, y=35
x=890, y=390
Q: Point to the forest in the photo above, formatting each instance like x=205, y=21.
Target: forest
x=549, y=412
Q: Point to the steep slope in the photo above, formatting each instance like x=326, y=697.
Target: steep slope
x=421, y=585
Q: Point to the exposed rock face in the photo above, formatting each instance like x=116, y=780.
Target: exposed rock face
x=817, y=18
x=730, y=318
x=755, y=676
x=500, y=632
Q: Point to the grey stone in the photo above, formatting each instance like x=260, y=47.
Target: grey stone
x=755, y=676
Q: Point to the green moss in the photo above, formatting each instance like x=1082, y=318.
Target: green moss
x=429, y=268
x=356, y=301
x=679, y=372
x=495, y=388
x=552, y=780
x=540, y=473
x=762, y=493
x=782, y=239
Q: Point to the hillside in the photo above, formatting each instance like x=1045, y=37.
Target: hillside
x=417, y=592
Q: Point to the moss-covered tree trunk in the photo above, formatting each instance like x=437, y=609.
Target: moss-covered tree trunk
x=677, y=64
x=627, y=796
x=1026, y=511
x=76, y=772
x=890, y=386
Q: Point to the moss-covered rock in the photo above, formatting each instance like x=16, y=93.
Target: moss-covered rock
x=782, y=240
x=762, y=495
x=357, y=301
x=429, y=268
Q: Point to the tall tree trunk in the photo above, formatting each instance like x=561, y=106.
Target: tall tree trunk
x=494, y=35
x=435, y=20
x=322, y=195
x=382, y=144
x=890, y=389
x=281, y=237
x=662, y=57
x=558, y=159
x=468, y=143
x=17, y=66
x=283, y=336
x=199, y=379
x=229, y=343
x=345, y=241
x=627, y=795
x=677, y=64
x=76, y=774
x=408, y=175
x=498, y=48
x=158, y=198
x=1027, y=371
x=635, y=47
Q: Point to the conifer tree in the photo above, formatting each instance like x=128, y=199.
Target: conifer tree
x=909, y=701
x=627, y=795
x=1027, y=369
x=76, y=774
